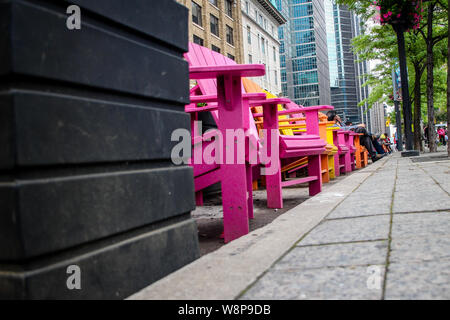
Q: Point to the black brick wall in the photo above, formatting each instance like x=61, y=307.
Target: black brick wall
x=85, y=171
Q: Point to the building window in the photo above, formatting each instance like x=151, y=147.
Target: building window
x=229, y=8
x=250, y=59
x=265, y=74
x=274, y=54
x=196, y=14
x=214, y=23
x=198, y=40
x=230, y=39
x=276, y=77
x=247, y=7
x=214, y=48
x=263, y=45
x=214, y=2
x=230, y=56
x=249, y=35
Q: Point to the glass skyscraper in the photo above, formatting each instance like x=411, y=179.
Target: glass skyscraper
x=317, y=62
x=303, y=52
x=345, y=72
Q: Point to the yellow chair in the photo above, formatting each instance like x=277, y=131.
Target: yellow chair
x=291, y=126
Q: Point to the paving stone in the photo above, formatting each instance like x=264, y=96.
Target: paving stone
x=426, y=280
x=421, y=225
x=422, y=183
x=420, y=249
x=325, y=283
x=362, y=206
x=379, y=187
x=334, y=255
x=445, y=186
x=427, y=201
x=347, y=230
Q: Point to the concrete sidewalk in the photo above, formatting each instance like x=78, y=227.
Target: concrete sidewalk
x=381, y=233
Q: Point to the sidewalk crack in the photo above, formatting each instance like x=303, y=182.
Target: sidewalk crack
x=388, y=255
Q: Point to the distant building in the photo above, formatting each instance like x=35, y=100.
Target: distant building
x=377, y=118
x=260, y=23
x=346, y=73
x=216, y=24
x=305, y=75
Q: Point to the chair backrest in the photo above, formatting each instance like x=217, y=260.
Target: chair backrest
x=252, y=87
x=200, y=56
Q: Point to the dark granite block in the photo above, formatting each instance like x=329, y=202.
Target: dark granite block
x=93, y=56
x=135, y=14
x=7, y=139
x=46, y=214
x=86, y=118
x=56, y=129
x=114, y=271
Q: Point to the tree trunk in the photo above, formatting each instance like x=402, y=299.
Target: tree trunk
x=417, y=111
x=406, y=105
x=430, y=79
x=448, y=83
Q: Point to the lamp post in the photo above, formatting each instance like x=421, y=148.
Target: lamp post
x=401, y=20
x=398, y=120
x=407, y=116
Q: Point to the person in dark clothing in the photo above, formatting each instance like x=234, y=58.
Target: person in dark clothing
x=365, y=139
x=377, y=145
x=386, y=142
x=425, y=132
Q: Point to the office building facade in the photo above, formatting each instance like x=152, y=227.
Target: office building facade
x=346, y=72
x=260, y=23
x=216, y=24
x=303, y=52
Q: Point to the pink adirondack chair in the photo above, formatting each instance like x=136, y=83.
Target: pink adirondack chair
x=352, y=148
x=342, y=159
x=231, y=111
x=290, y=147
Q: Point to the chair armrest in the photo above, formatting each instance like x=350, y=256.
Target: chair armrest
x=213, y=72
x=192, y=108
x=213, y=99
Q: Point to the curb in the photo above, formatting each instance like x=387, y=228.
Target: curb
x=227, y=272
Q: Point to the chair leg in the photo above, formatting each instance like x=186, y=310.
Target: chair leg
x=332, y=167
x=348, y=160
x=324, y=166
x=337, y=170
x=358, y=158
x=250, y=192
x=199, y=198
x=314, y=169
x=342, y=163
x=273, y=188
x=234, y=201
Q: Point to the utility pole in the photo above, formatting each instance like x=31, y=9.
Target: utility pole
x=398, y=119
x=407, y=115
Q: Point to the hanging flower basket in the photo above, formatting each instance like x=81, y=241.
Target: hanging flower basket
x=400, y=13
